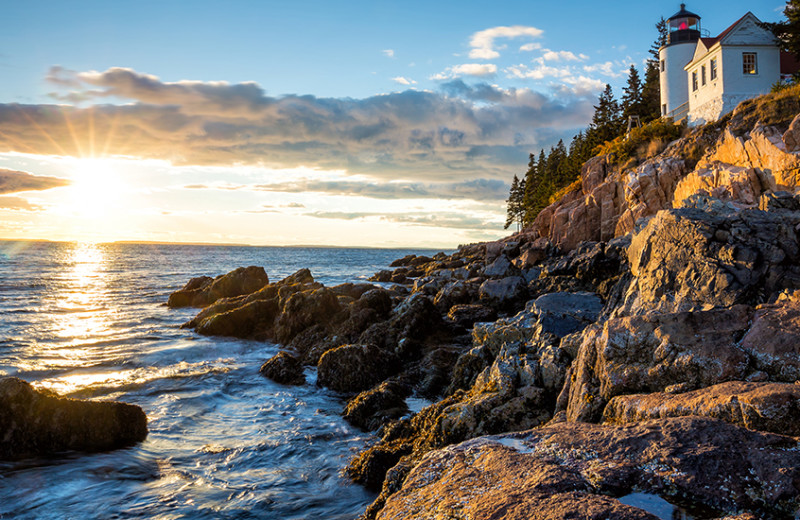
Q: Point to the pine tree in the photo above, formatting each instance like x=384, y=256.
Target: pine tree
x=788, y=32
x=532, y=179
x=606, y=121
x=632, y=103
x=651, y=93
x=516, y=206
x=651, y=90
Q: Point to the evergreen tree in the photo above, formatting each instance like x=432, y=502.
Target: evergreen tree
x=651, y=93
x=632, y=102
x=661, y=39
x=788, y=32
x=516, y=206
x=651, y=90
x=606, y=121
x=532, y=179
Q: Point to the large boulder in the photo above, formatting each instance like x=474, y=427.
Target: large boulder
x=305, y=309
x=241, y=321
x=769, y=407
x=200, y=292
x=572, y=470
x=284, y=368
x=35, y=422
x=192, y=294
x=468, y=314
x=724, y=182
x=762, y=149
x=691, y=259
x=505, y=293
x=791, y=138
x=654, y=352
x=371, y=409
x=773, y=341
x=649, y=189
x=355, y=368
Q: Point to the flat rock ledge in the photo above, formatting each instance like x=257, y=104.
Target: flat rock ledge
x=575, y=470
x=767, y=407
x=36, y=422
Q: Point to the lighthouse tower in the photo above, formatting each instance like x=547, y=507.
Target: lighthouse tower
x=684, y=31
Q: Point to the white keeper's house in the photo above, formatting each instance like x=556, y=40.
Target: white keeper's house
x=704, y=78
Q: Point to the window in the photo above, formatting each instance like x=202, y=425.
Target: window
x=703, y=75
x=663, y=66
x=664, y=109
x=694, y=81
x=713, y=69
x=749, y=63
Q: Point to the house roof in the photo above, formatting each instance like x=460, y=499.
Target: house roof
x=710, y=42
x=730, y=28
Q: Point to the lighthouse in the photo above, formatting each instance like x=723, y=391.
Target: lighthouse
x=684, y=31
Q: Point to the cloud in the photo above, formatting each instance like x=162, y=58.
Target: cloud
x=441, y=220
x=389, y=53
x=404, y=81
x=607, y=68
x=467, y=69
x=12, y=181
x=461, y=132
x=563, y=56
x=538, y=72
x=18, y=204
x=528, y=47
x=478, y=189
x=483, y=42
x=581, y=86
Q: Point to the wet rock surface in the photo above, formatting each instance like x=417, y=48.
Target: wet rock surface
x=570, y=470
x=284, y=368
x=35, y=422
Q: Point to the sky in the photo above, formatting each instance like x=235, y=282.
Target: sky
x=360, y=123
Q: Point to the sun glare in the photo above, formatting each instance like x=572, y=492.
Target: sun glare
x=96, y=189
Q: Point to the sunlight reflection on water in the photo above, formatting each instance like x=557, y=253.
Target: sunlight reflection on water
x=89, y=321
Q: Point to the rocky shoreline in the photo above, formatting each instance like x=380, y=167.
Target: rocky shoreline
x=642, y=336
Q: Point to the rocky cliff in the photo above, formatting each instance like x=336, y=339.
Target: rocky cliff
x=642, y=335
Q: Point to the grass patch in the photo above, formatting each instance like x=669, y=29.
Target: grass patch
x=642, y=143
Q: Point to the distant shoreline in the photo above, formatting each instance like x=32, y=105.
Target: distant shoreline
x=222, y=244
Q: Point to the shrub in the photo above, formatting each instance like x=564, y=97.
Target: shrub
x=642, y=143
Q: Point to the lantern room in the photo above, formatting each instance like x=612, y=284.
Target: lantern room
x=683, y=27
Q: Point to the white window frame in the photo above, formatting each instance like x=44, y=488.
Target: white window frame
x=752, y=70
x=713, y=69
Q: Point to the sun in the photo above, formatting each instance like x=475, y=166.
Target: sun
x=97, y=189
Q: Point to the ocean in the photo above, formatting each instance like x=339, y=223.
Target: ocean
x=89, y=321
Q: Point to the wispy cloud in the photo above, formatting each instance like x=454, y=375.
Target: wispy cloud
x=466, y=69
x=12, y=181
x=442, y=220
x=549, y=55
x=529, y=47
x=483, y=43
x=18, y=204
x=478, y=189
x=404, y=81
x=540, y=71
x=607, y=68
x=389, y=53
